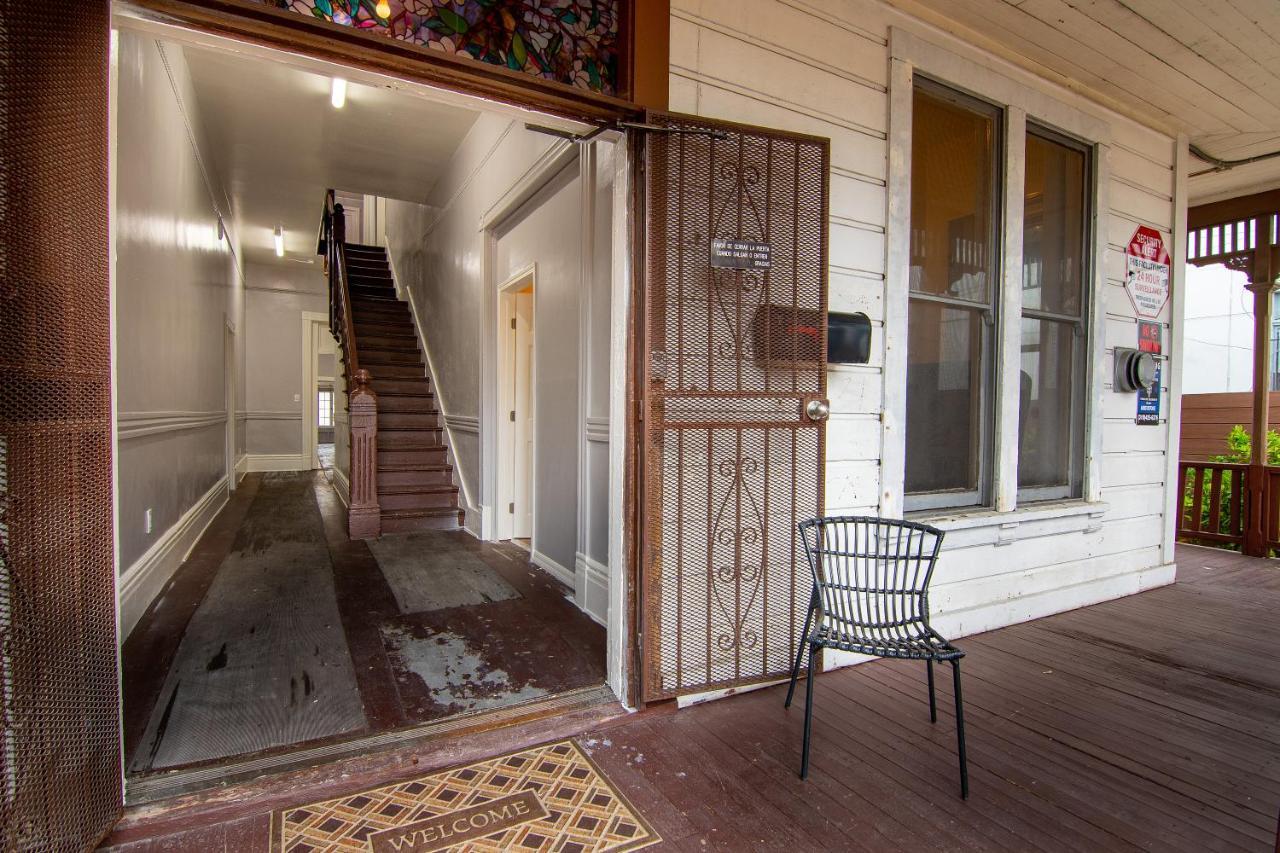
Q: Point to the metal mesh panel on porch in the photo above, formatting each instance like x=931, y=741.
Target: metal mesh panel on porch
x=59, y=754
x=732, y=462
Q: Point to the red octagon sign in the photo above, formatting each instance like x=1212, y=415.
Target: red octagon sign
x=1147, y=272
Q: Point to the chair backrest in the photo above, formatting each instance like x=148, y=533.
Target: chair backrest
x=872, y=574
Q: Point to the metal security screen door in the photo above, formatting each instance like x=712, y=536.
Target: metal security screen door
x=734, y=381
x=59, y=704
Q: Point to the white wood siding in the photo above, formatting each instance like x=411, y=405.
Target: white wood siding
x=825, y=70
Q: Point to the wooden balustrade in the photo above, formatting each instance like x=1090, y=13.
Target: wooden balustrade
x=1214, y=507
x=364, y=517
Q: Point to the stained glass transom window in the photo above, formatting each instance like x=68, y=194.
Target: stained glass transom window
x=569, y=41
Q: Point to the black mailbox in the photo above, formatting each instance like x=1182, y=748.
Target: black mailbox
x=848, y=338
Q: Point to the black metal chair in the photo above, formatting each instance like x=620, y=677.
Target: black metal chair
x=871, y=596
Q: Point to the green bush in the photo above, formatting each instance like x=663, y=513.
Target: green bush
x=1240, y=446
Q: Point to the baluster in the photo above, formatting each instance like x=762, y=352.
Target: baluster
x=1215, y=500
x=1197, y=498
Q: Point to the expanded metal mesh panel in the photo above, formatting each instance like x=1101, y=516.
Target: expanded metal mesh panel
x=731, y=358
x=59, y=756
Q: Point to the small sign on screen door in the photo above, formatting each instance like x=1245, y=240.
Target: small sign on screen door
x=740, y=254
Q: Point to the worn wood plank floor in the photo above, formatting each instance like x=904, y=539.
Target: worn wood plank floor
x=280, y=630
x=1150, y=722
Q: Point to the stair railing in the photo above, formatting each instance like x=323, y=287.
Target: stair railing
x=364, y=516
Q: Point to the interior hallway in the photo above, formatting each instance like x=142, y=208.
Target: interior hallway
x=280, y=630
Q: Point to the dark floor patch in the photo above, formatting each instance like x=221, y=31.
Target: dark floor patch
x=479, y=657
x=270, y=606
x=219, y=660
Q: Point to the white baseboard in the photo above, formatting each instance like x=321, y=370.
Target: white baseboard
x=592, y=587
x=557, y=571
x=472, y=519
x=142, y=583
x=242, y=466
x=277, y=462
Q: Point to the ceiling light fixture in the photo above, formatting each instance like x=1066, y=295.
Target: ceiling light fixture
x=279, y=235
x=383, y=8
x=338, y=93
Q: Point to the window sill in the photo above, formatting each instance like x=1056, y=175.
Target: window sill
x=1079, y=515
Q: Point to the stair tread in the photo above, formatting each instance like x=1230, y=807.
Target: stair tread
x=417, y=489
x=420, y=512
x=414, y=466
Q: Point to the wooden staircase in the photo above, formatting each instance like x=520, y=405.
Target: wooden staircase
x=414, y=478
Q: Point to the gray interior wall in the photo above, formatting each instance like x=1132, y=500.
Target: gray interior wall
x=278, y=294
x=547, y=232
x=176, y=290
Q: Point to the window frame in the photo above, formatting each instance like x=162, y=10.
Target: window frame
x=989, y=310
x=1024, y=98
x=1074, y=488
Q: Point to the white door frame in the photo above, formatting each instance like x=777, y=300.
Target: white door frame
x=506, y=433
x=314, y=324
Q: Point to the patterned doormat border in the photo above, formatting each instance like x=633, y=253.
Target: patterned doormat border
x=551, y=797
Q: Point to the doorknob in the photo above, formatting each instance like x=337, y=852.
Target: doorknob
x=817, y=410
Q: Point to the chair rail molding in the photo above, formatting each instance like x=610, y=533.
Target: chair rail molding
x=132, y=425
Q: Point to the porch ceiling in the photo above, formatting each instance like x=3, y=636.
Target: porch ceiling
x=1209, y=69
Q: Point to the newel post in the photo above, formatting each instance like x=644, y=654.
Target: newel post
x=365, y=517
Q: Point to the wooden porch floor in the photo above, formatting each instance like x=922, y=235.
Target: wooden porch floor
x=1151, y=722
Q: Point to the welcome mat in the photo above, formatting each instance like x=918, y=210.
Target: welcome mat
x=548, y=798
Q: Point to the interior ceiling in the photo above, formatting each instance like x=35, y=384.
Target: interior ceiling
x=1209, y=69
x=278, y=144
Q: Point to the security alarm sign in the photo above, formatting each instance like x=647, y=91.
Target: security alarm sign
x=1147, y=272
x=1148, y=413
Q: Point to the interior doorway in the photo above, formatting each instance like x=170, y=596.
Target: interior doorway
x=518, y=388
x=278, y=636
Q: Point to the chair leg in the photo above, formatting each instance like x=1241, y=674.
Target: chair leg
x=808, y=713
x=795, y=668
x=964, y=762
x=933, y=702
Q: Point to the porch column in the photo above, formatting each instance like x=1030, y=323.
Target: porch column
x=1262, y=283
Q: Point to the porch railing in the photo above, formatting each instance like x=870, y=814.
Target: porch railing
x=364, y=520
x=1214, y=498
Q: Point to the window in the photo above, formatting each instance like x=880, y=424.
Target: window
x=960, y=323
x=951, y=317
x=324, y=408
x=1054, y=271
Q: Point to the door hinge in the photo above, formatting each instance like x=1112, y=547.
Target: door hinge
x=513, y=324
x=513, y=415
x=639, y=410
x=511, y=508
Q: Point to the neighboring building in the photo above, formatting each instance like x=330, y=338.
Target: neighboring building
x=596, y=260
x=1218, y=356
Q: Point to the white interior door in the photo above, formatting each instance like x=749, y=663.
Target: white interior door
x=523, y=432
